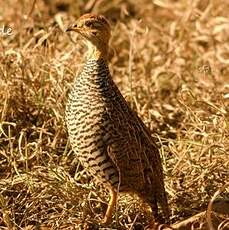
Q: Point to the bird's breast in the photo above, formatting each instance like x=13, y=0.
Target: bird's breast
x=88, y=122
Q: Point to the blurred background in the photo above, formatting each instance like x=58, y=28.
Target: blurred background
x=170, y=59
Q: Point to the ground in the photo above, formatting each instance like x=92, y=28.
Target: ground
x=170, y=60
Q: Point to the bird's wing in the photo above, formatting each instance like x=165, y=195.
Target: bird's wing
x=132, y=150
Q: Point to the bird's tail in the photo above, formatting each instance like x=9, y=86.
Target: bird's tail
x=163, y=201
x=155, y=194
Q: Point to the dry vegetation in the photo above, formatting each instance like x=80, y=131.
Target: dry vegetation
x=169, y=58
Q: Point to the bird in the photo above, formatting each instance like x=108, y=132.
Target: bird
x=108, y=137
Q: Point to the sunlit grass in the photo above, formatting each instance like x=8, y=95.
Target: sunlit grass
x=170, y=61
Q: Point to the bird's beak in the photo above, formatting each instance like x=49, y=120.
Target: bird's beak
x=71, y=27
x=68, y=29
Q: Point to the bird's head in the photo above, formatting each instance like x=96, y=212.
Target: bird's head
x=95, y=29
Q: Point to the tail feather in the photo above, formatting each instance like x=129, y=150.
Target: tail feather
x=154, y=194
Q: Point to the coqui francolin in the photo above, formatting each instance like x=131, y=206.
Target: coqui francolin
x=107, y=136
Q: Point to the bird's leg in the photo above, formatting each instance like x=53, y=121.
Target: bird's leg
x=112, y=202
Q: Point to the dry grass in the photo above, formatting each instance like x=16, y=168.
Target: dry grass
x=171, y=62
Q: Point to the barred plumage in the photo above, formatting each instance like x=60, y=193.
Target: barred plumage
x=109, y=139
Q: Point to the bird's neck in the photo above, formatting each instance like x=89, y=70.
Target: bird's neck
x=96, y=68
x=97, y=52
x=95, y=72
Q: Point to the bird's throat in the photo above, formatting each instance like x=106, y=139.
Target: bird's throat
x=97, y=52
